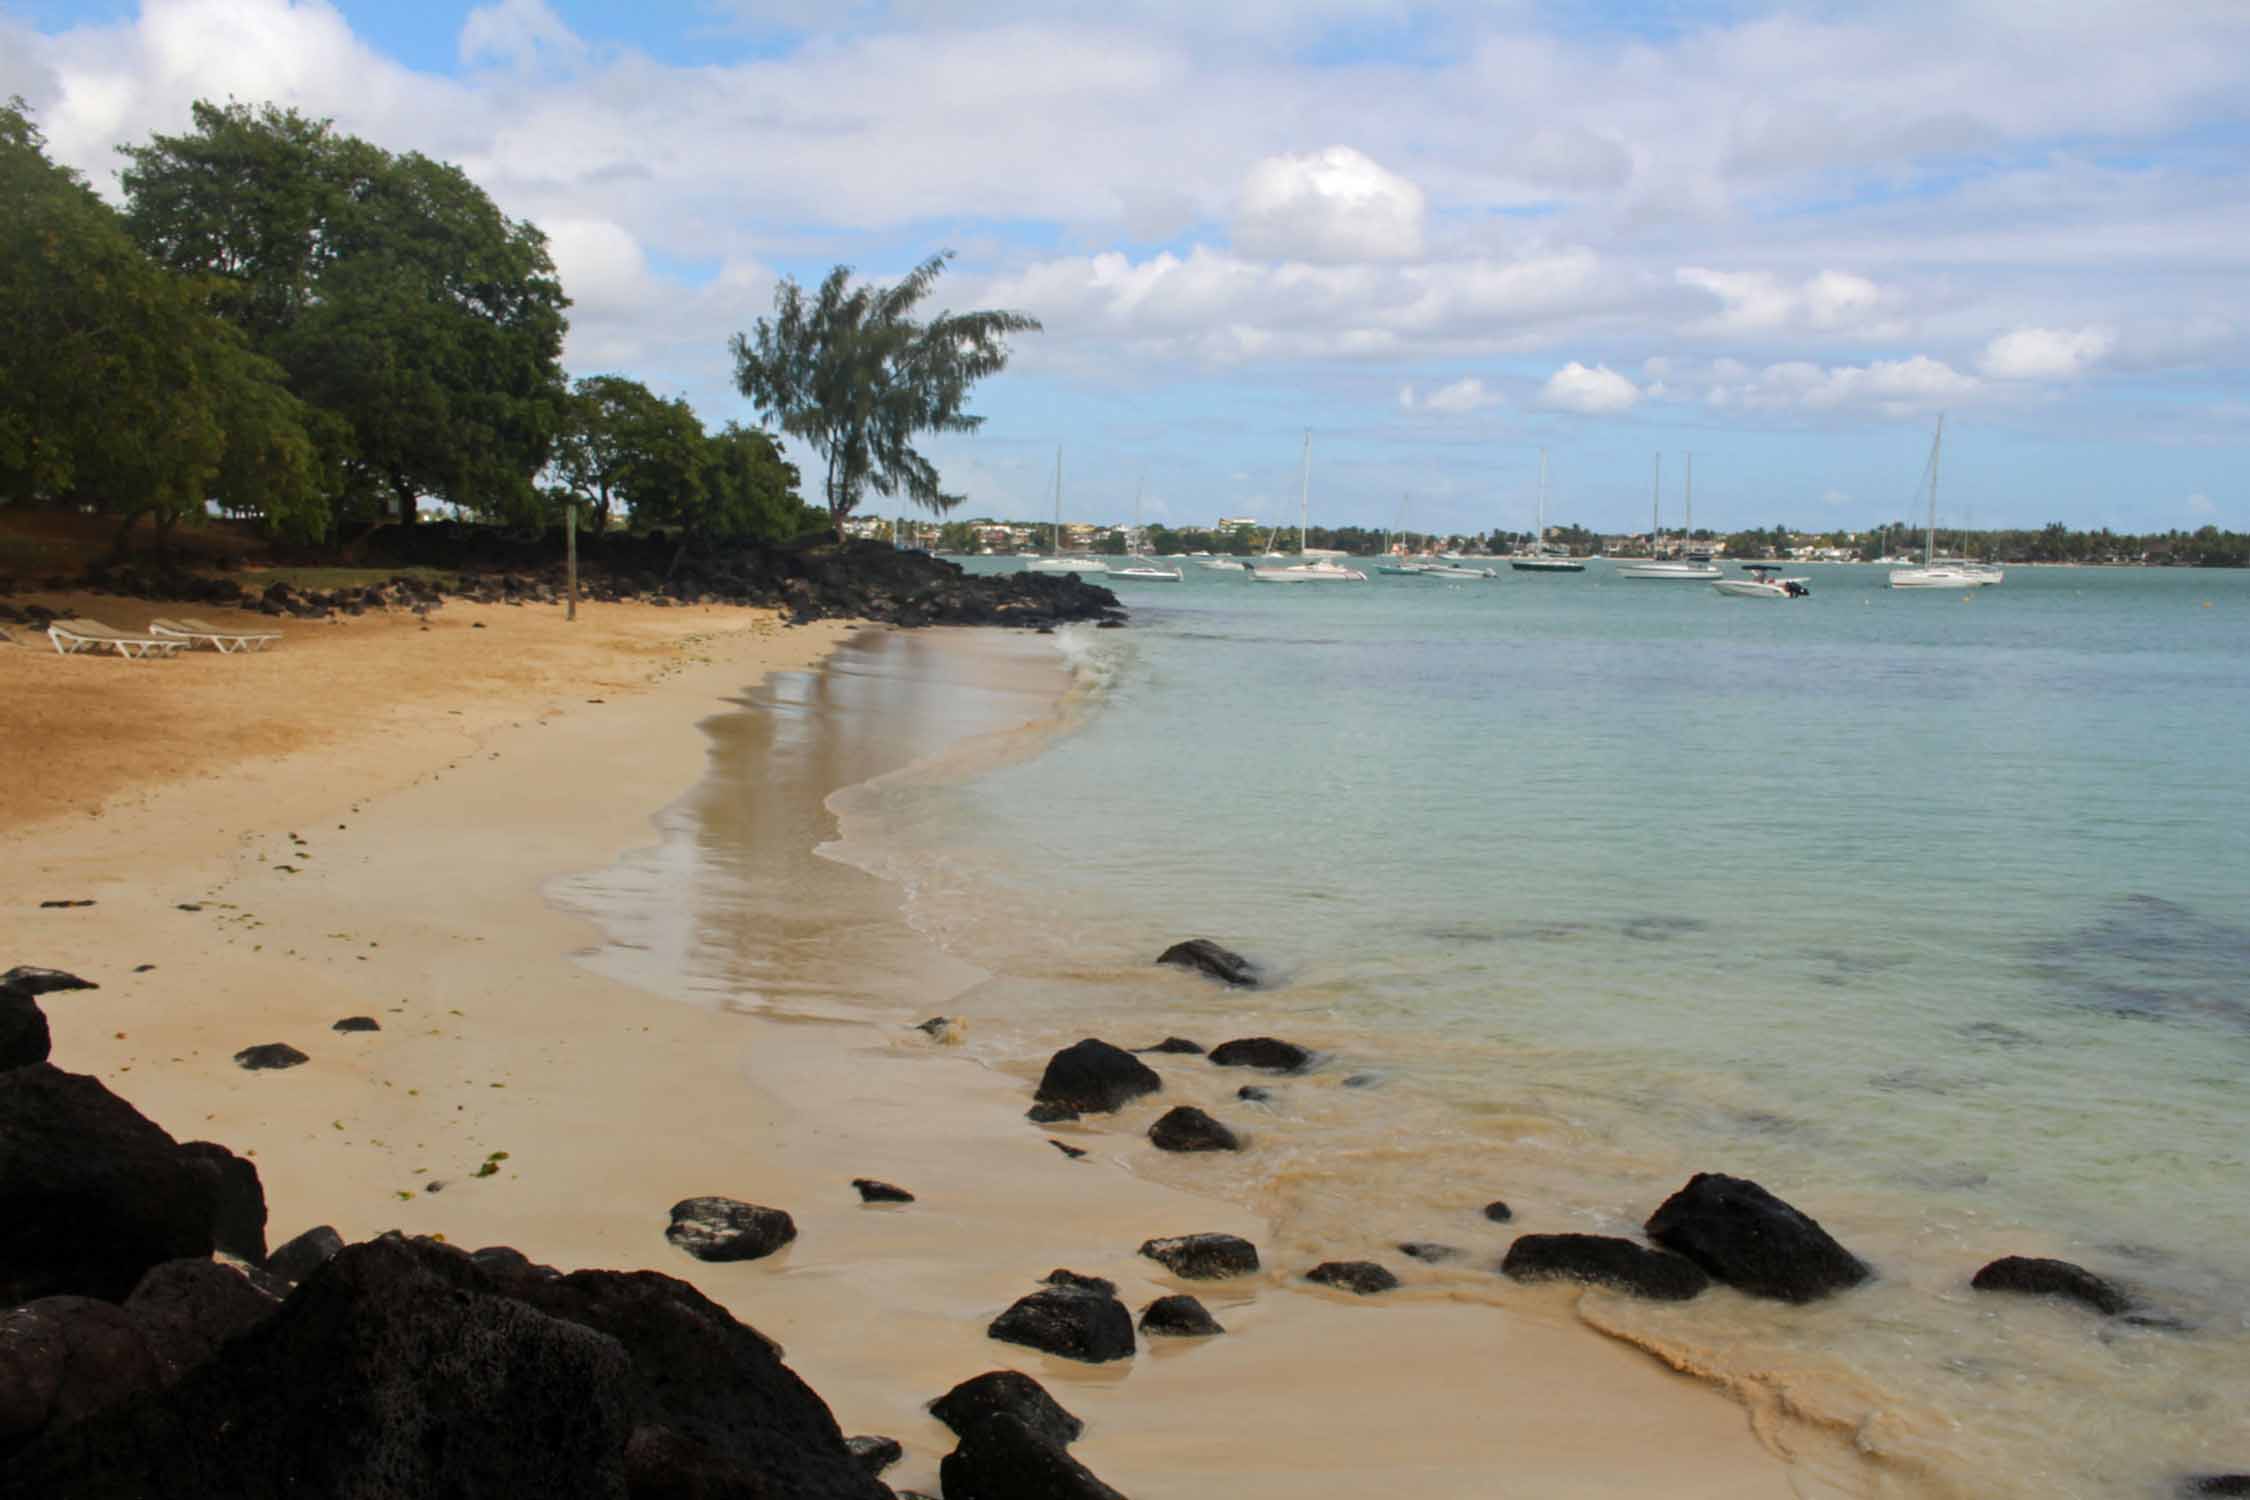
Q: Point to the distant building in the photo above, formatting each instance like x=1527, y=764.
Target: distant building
x=1236, y=523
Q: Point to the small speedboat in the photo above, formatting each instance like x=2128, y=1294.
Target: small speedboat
x=1146, y=574
x=1762, y=584
x=1456, y=570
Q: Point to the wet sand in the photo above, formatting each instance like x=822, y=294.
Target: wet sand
x=450, y=906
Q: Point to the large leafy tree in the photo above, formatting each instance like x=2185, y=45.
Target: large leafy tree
x=606, y=433
x=853, y=373
x=402, y=303
x=120, y=387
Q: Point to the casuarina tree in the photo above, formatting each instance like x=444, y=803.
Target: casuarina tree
x=851, y=372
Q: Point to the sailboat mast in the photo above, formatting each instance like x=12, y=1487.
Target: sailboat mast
x=1937, y=447
x=1687, y=537
x=1304, y=493
x=1055, y=536
x=1540, y=545
x=1655, y=503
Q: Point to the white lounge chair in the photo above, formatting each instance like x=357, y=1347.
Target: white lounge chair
x=73, y=636
x=194, y=631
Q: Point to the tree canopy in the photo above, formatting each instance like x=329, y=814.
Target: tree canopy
x=851, y=372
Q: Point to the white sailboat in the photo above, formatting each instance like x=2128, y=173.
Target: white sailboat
x=1942, y=572
x=1544, y=557
x=1055, y=562
x=1140, y=569
x=1325, y=569
x=1688, y=565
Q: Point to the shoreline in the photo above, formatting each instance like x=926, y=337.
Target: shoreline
x=610, y=1106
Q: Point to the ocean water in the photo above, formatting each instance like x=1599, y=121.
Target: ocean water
x=1926, y=910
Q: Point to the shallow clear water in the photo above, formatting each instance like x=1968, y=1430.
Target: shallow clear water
x=1925, y=909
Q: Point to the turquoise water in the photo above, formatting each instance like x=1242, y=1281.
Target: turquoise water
x=1926, y=909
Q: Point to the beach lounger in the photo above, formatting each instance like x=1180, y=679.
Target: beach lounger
x=73, y=636
x=192, y=631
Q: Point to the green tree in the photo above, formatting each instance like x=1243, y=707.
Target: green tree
x=391, y=290
x=606, y=425
x=119, y=387
x=852, y=373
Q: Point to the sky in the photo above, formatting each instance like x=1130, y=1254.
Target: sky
x=1442, y=238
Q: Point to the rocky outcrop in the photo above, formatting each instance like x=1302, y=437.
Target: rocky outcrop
x=30, y=979
x=1361, y=1276
x=1076, y=1322
x=1186, y=1128
x=2052, y=1278
x=1012, y=1392
x=269, y=1055
x=1177, y=1045
x=722, y=1229
x=1179, y=1316
x=999, y=1458
x=1261, y=1052
x=1203, y=1257
x=305, y=1254
x=1604, y=1260
x=91, y=1193
x=62, y=1359
x=1094, y=1077
x=24, y=1038
x=1207, y=957
x=875, y=1454
x=186, y=1309
x=1063, y=1277
x=1746, y=1237
x=238, y=1199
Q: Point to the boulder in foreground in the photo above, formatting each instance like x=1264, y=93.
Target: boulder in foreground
x=33, y=980
x=238, y=1199
x=723, y=1229
x=1604, y=1260
x=305, y=1254
x=1746, y=1237
x=1076, y=1322
x=1095, y=1077
x=2052, y=1278
x=1207, y=957
x=1001, y=1459
x=24, y=1038
x=1261, y=1052
x=1179, y=1316
x=1186, y=1128
x=1203, y=1257
x=1009, y=1391
x=268, y=1055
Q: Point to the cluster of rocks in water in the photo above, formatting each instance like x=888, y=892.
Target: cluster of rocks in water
x=861, y=580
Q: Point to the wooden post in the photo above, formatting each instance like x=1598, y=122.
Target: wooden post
x=570, y=535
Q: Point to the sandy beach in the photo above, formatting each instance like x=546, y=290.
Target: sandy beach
x=413, y=823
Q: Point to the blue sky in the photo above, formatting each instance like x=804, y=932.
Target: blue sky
x=1442, y=236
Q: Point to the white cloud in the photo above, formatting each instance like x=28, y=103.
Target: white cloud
x=2202, y=504
x=2044, y=353
x=1599, y=391
x=515, y=32
x=1761, y=302
x=1332, y=205
x=1895, y=387
x=1464, y=395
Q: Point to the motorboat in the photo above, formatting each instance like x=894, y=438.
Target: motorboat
x=1942, y=572
x=1762, y=584
x=1456, y=570
x=1690, y=566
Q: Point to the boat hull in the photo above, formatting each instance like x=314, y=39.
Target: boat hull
x=1545, y=565
x=1307, y=575
x=1063, y=565
x=1943, y=578
x=1674, y=572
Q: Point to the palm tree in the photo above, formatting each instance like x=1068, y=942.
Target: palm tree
x=853, y=374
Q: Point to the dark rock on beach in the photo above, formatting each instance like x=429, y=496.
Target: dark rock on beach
x=1261, y=1052
x=1050, y=1114
x=1075, y=1322
x=1062, y=1277
x=238, y=1199
x=872, y=1191
x=2216, y=1484
x=1746, y=1237
x=92, y=1194
x=2052, y=1278
x=357, y=1023
x=875, y=1454
x=1179, y=1045
x=1604, y=1260
x=1203, y=1257
x=62, y=1359
x=1207, y=957
x=269, y=1055
x=1179, y=1316
x=1361, y=1276
x=1094, y=1077
x=186, y=1309
x=307, y=1253
x=722, y=1229
x=1427, y=1252
x=33, y=980
x=24, y=1038
x=1498, y=1212
x=1186, y=1128
x=1066, y=1149
x=507, y=1261
x=1008, y=1391
x=999, y=1458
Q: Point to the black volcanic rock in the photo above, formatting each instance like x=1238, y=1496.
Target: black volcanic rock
x=1207, y=957
x=33, y=980
x=2052, y=1278
x=1261, y=1052
x=238, y=1200
x=872, y=1191
x=357, y=1023
x=1361, y=1276
x=1428, y=1252
x=269, y=1055
x=875, y=1454
x=1009, y=1391
x=2216, y=1484
x=722, y=1229
x=1604, y=1260
x=1094, y=1077
x=1203, y=1257
x=1179, y=1316
x=1498, y=1212
x=999, y=1458
x=24, y=1038
x=1746, y=1237
x=1075, y=1322
x=1186, y=1128
x=298, y=1258
x=1063, y=1277
x=188, y=1308
x=62, y=1359
x=1178, y=1045
x=92, y=1194
x=1050, y=1114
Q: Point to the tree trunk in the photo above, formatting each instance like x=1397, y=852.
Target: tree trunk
x=121, y=543
x=600, y=517
x=165, y=521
